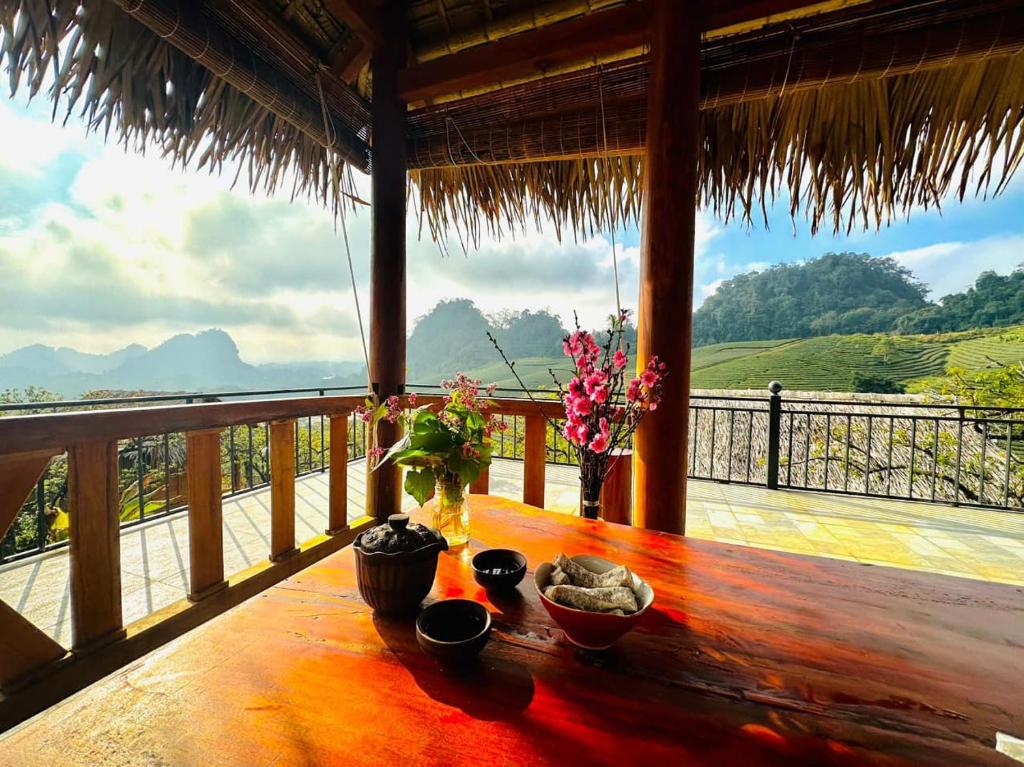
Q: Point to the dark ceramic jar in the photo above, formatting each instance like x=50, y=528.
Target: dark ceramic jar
x=396, y=564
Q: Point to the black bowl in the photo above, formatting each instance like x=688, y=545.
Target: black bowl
x=453, y=630
x=499, y=569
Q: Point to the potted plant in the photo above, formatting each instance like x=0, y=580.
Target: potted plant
x=445, y=450
x=602, y=406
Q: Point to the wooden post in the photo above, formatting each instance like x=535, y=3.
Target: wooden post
x=94, y=534
x=665, y=319
x=205, y=514
x=482, y=484
x=387, y=264
x=617, y=492
x=282, y=489
x=534, y=460
x=337, y=504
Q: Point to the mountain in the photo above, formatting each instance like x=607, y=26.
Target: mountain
x=205, y=361
x=453, y=337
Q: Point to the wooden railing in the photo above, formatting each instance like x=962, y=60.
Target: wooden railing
x=90, y=440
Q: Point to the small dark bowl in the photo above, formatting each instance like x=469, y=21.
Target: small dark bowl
x=453, y=631
x=499, y=569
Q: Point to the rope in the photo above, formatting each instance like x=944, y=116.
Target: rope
x=331, y=136
x=615, y=201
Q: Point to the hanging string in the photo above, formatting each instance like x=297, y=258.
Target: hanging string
x=615, y=201
x=330, y=134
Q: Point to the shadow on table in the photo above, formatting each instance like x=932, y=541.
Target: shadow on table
x=492, y=688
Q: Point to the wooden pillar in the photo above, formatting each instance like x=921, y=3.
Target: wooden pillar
x=94, y=542
x=387, y=262
x=534, y=460
x=482, y=484
x=337, y=503
x=617, y=491
x=205, y=514
x=665, y=319
x=282, y=489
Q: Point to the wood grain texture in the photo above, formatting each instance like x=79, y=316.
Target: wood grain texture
x=617, y=492
x=24, y=649
x=534, y=460
x=387, y=247
x=54, y=681
x=337, y=502
x=282, y=489
x=205, y=514
x=748, y=658
x=665, y=316
x=19, y=473
x=94, y=535
x=57, y=431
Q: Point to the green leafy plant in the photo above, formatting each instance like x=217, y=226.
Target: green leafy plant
x=449, y=445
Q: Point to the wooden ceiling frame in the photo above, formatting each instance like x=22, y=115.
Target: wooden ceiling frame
x=622, y=30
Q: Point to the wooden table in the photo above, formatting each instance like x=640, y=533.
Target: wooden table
x=748, y=657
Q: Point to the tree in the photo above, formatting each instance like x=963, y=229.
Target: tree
x=994, y=300
x=885, y=348
x=876, y=384
x=837, y=293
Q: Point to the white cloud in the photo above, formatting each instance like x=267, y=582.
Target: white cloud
x=950, y=267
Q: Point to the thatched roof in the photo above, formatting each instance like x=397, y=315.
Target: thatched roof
x=857, y=110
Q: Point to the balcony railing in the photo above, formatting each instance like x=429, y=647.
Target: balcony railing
x=934, y=453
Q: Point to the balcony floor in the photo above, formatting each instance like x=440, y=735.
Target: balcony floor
x=970, y=543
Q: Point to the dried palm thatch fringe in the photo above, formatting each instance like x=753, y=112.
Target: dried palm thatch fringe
x=853, y=155
x=130, y=84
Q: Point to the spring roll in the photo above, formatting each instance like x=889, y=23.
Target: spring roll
x=599, y=600
x=580, y=576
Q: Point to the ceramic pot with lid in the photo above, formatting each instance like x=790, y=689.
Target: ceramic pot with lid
x=396, y=563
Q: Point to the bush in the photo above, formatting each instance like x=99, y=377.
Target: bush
x=876, y=384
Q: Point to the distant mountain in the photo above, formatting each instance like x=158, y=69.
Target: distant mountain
x=206, y=361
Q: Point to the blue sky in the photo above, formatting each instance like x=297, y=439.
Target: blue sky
x=100, y=248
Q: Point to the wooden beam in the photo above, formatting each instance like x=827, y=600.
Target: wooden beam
x=205, y=514
x=360, y=16
x=387, y=257
x=491, y=137
x=24, y=649
x=348, y=63
x=620, y=30
x=29, y=433
x=94, y=533
x=337, y=503
x=534, y=460
x=665, y=316
x=19, y=473
x=282, y=489
x=529, y=53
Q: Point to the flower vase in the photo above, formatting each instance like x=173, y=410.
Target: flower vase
x=590, y=508
x=451, y=512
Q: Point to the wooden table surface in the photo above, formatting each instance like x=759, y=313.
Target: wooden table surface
x=747, y=657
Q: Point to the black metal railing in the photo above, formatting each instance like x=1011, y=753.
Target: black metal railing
x=943, y=453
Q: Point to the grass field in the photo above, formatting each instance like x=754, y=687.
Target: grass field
x=827, y=363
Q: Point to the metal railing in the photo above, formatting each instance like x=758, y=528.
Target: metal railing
x=970, y=456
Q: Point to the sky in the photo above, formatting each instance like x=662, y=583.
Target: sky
x=100, y=248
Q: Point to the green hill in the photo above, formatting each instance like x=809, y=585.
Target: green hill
x=824, y=363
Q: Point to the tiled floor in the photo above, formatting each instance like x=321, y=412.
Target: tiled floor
x=969, y=543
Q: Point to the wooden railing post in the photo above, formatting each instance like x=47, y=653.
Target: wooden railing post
x=205, y=514
x=482, y=484
x=337, y=504
x=534, y=460
x=617, y=492
x=282, y=489
x=95, y=544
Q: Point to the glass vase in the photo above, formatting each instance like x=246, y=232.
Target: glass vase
x=451, y=512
